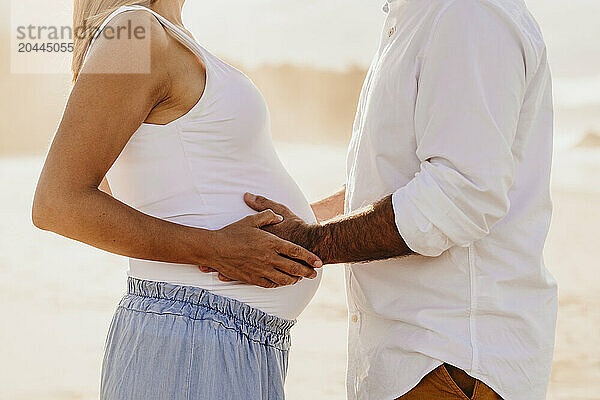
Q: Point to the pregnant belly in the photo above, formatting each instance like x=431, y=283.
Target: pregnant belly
x=223, y=209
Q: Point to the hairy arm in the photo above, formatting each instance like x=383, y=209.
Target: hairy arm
x=367, y=235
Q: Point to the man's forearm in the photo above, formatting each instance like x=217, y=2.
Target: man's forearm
x=368, y=235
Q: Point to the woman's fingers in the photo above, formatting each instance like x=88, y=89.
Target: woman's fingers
x=265, y=283
x=253, y=256
x=223, y=278
x=295, y=268
x=281, y=278
x=293, y=251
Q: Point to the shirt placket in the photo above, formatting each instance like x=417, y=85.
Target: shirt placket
x=393, y=8
x=355, y=369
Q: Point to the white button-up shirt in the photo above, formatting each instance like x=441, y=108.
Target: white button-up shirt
x=455, y=119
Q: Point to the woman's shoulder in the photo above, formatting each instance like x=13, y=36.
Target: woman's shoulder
x=128, y=43
x=139, y=25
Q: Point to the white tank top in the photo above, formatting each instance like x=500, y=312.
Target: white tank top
x=195, y=170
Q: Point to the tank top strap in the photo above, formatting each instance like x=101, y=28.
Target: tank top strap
x=175, y=31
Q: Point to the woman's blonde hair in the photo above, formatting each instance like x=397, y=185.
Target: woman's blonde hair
x=88, y=16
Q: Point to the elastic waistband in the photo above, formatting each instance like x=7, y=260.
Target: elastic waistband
x=199, y=304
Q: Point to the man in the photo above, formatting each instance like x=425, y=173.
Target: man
x=448, y=187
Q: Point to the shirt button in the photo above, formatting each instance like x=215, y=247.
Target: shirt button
x=354, y=318
x=391, y=31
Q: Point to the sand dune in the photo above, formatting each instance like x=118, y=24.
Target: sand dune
x=307, y=105
x=310, y=105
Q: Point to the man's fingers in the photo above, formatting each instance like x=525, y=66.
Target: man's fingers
x=296, y=252
x=295, y=268
x=260, y=203
x=266, y=217
x=206, y=269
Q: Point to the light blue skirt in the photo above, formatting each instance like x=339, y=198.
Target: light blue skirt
x=169, y=342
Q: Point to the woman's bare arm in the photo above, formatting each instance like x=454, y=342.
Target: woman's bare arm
x=330, y=207
x=102, y=113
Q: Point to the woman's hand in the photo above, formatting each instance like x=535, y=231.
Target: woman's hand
x=244, y=252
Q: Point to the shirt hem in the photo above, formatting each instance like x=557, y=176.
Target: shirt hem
x=423, y=375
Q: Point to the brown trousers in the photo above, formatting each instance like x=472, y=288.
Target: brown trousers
x=450, y=383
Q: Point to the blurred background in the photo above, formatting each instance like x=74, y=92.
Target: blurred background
x=309, y=58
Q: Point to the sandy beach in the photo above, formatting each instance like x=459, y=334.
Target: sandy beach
x=58, y=296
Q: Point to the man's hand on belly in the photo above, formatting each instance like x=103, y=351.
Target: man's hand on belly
x=368, y=235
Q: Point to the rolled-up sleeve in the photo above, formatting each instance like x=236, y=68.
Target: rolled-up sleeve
x=471, y=84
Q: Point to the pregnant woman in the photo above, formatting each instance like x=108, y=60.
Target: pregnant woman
x=180, y=136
